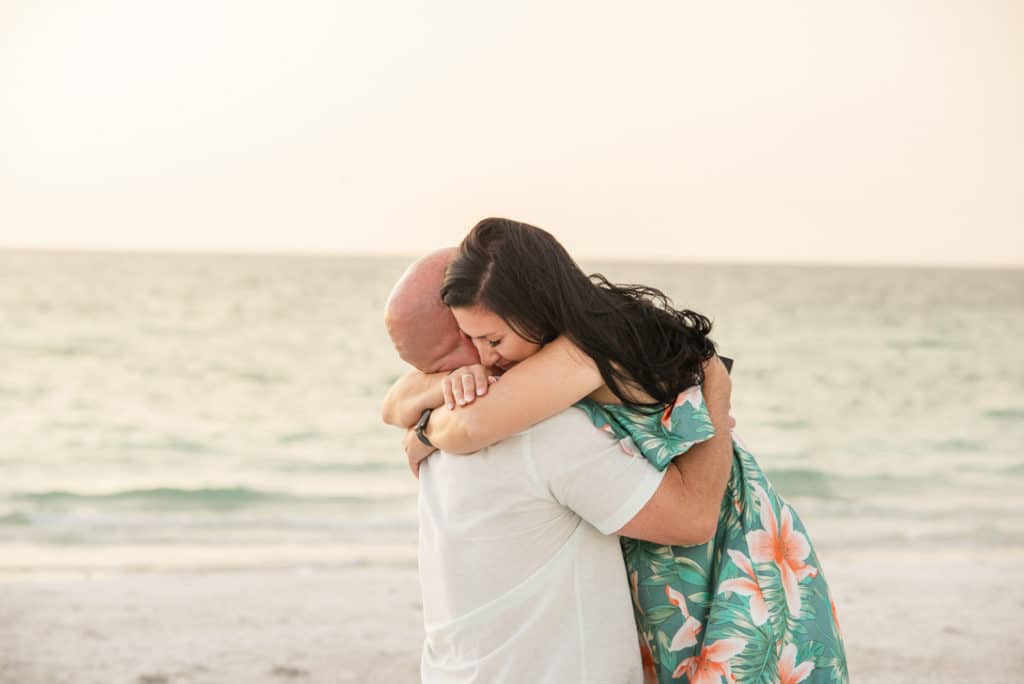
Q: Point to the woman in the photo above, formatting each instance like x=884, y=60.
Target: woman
x=750, y=604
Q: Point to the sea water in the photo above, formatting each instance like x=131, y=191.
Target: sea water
x=191, y=410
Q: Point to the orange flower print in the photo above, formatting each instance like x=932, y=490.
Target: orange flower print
x=789, y=671
x=712, y=665
x=747, y=586
x=781, y=544
x=687, y=634
x=647, y=661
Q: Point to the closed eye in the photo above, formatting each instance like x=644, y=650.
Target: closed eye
x=494, y=343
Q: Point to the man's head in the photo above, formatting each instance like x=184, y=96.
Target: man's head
x=421, y=327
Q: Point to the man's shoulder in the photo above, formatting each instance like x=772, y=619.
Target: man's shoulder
x=572, y=423
x=572, y=418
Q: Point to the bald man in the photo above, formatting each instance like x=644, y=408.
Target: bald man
x=422, y=329
x=521, y=573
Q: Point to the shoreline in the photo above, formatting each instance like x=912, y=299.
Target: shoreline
x=123, y=561
x=907, y=616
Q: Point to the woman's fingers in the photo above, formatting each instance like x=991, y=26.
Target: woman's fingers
x=446, y=390
x=480, y=380
x=465, y=384
x=468, y=388
x=457, y=387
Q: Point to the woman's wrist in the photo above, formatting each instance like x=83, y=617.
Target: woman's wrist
x=446, y=430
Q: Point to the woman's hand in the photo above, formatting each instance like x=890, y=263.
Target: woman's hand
x=416, y=451
x=463, y=385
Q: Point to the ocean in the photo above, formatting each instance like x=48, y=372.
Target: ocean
x=197, y=411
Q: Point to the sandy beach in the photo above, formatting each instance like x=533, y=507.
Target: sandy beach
x=907, y=617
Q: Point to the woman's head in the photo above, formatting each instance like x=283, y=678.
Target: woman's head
x=517, y=271
x=497, y=344
x=526, y=280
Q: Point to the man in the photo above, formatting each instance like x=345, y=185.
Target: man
x=522, y=577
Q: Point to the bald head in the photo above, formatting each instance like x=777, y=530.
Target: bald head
x=421, y=327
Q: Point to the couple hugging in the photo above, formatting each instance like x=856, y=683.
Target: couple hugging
x=580, y=485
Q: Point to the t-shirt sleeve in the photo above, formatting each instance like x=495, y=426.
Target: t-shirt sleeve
x=586, y=470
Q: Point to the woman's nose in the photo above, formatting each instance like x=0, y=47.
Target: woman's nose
x=487, y=355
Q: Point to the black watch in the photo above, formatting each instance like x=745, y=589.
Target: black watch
x=421, y=426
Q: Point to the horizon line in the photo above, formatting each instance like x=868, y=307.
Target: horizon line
x=329, y=253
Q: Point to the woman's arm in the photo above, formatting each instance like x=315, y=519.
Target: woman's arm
x=411, y=395
x=553, y=379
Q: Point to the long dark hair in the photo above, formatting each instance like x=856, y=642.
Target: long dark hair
x=632, y=332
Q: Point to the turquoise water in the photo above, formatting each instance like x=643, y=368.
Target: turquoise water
x=225, y=409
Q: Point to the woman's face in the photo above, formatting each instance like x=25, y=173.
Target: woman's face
x=497, y=344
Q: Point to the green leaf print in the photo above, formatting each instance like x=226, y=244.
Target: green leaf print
x=700, y=598
x=692, y=564
x=694, y=574
x=810, y=650
x=666, y=658
x=658, y=615
x=690, y=577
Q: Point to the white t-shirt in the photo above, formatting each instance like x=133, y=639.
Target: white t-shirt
x=521, y=581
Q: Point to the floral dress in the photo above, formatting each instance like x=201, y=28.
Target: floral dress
x=752, y=604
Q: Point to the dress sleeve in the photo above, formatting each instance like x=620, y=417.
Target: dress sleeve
x=657, y=436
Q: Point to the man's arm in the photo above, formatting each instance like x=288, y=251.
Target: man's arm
x=684, y=510
x=410, y=396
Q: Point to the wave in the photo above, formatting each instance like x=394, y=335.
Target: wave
x=790, y=425
x=802, y=482
x=926, y=343
x=961, y=445
x=1007, y=414
x=210, y=498
x=818, y=484
x=181, y=521
x=360, y=467
x=15, y=519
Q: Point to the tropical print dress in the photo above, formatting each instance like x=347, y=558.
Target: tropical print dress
x=749, y=606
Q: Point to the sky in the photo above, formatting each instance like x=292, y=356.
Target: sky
x=796, y=132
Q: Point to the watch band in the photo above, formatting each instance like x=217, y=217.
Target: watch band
x=421, y=426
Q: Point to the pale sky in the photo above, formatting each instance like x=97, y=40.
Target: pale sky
x=852, y=132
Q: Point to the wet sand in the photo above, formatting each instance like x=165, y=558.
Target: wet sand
x=906, y=617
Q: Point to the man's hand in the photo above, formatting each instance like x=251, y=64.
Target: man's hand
x=717, y=382
x=720, y=382
x=684, y=510
x=465, y=384
x=415, y=451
